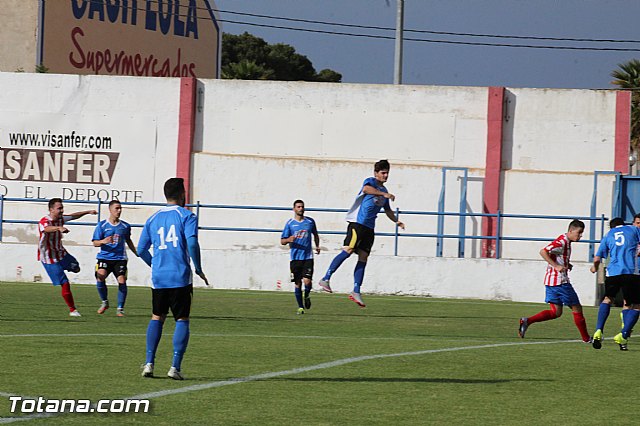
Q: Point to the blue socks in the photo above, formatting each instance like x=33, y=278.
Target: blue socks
x=335, y=264
x=298, y=293
x=180, y=342
x=102, y=290
x=307, y=290
x=358, y=276
x=603, y=314
x=630, y=318
x=122, y=294
x=154, y=333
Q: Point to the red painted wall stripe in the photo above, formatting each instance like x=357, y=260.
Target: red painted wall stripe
x=623, y=132
x=186, y=126
x=493, y=167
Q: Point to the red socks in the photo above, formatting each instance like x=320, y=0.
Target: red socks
x=578, y=318
x=68, y=297
x=547, y=315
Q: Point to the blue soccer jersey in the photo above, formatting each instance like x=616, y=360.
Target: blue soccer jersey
x=168, y=231
x=620, y=244
x=366, y=207
x=115, y=250
x=301, y=248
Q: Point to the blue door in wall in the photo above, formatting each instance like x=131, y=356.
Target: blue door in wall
x=629, y=203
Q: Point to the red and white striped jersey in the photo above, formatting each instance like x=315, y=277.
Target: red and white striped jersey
x=50, y=249
x=560, y=251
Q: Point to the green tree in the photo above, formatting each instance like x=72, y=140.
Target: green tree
x=248, y=57
x=246, y=70
x=627, y=76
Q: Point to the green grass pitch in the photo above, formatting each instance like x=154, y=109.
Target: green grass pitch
x=252, y=361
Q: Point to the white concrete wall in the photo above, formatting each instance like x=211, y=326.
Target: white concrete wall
x=268, y=143
x=489, y=279
x=18, y=32
x=140, y=114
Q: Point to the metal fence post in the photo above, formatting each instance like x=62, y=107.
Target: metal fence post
x=498, y=228
x=395, y=250
x=1, y=215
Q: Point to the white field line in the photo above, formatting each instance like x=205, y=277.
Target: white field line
x=272, y=374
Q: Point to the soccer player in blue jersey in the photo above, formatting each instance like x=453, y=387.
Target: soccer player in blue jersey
x=173, y=233
x=297, y=233
x=360, y=233
x=620, y=244
x=111, y=235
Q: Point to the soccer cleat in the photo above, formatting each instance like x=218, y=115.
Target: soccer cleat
x=147, y=370
x=300, y=311
x=621, y=341
x=324, y=285
x=103, y=307
x=307, y=302
x=596, y=340
x=120, y=312
x=357, y=298
x=175, y=374
x=74, y=313
x=524, y=324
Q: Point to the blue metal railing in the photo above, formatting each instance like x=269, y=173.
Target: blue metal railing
x=439, y=235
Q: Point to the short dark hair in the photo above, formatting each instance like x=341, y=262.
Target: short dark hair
x=616, y=221
x=637, y=216
x=114, y=202
x=298, y=202
x=53, y=201
x=174, y=188
x=381, y=165
x=575, y=223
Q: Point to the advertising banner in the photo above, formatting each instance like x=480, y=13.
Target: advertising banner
x=159, y=38
x=83, y=157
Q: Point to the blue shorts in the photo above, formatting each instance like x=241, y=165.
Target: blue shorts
x=563, y=294
x=56, y=270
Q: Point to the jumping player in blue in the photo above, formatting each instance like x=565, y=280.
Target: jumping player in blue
x=297, y=233
x=360, y=233
x=173, y=233
x=620, y=244
x=111, y=235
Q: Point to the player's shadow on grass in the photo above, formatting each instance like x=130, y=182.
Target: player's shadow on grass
x=364, y=313
x=245, y=318
x=406, y=380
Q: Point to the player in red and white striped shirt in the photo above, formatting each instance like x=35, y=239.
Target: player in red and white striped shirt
x=559, y=291
x=51, y=252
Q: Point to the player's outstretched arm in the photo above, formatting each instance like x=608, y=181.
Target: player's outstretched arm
x=392, y=216
x=143, y=247
x=132, y=246
x=370, y=190
x=78, y=215
x=194, y=253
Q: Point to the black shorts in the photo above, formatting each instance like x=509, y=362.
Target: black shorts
x=301, y=269
x=628, y=283
x=178, y=299
x=359, y=237
x=118, y=267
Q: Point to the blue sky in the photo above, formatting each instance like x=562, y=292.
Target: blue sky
x=365, y=60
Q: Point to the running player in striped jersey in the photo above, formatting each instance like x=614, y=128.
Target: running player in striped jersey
x=173, y=233
x=373, y=197
x=559, y=290
x=111, y=235
x=297, y=233
x=620, y=244
x=54, y=257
